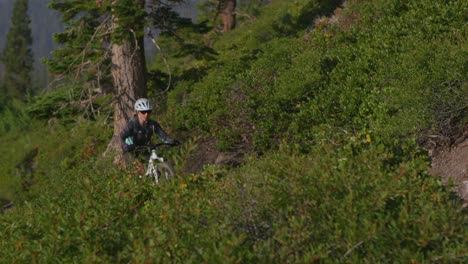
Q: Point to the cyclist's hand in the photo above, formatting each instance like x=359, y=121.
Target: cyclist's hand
x=127, y=148
x=151, y=146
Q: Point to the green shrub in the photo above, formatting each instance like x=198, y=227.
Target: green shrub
x=59, y=103
x=358, y=202
x=343, y=204
x=373, y=75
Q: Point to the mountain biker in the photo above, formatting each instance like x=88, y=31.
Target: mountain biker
x=140, y=129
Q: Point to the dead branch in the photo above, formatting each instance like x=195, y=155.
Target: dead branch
x=353, y=248
x=150, y=35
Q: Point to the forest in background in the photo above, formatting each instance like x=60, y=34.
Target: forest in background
x=305, y=135
x=45, y=22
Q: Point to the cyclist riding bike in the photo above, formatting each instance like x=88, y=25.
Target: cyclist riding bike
x=139, y=130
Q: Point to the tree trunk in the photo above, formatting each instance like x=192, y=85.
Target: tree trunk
x=228, y=15
x=129, y=78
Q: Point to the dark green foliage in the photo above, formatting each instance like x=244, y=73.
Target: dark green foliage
x=3, y=97
x=58, y=103
x=41, y=29
x=68, y=104
x=183, y=54
x=86, y=40
x=82, y=40
x=13, y=118
x=17, y=56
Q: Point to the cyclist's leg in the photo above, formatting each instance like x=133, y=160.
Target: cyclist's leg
x=133, y=164
x=128, y=158
x=140, y=162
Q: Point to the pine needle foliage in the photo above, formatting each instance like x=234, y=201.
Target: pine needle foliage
x=17, y=56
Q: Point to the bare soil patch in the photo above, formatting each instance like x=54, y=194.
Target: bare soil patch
x=451, y=164
x=207, y=152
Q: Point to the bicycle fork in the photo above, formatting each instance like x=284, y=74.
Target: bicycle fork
x=151, y=166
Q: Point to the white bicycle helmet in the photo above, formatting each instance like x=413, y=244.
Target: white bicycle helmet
x=143, y=104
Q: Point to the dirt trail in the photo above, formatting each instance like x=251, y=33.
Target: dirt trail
x=451, y=163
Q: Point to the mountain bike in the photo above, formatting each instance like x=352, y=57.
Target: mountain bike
x=157, y=170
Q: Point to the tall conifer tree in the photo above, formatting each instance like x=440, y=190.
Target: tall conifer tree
x=17, y=55
x=107, y=36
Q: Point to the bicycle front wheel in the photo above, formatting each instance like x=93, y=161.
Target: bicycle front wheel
x=164, y=172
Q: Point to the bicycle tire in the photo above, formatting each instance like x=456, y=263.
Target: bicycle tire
x=163, y=172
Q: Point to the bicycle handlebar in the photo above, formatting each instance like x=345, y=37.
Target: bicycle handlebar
x=162, y=144
x=153, y=146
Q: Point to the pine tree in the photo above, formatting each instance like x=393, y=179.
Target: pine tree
x=106, y=36
x=17, y=55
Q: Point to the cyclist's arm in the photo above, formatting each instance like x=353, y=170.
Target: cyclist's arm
x=157, y=129
x=126, y=138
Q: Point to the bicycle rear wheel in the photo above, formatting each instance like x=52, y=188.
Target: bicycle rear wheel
x=163, y=172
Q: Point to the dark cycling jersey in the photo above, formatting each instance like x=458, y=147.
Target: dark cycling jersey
x=138, y=135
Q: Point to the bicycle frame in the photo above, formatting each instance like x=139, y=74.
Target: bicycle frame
x=157, y=167
x=153, y=160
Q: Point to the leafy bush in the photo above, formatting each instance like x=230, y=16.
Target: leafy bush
x=13, y=122
x=63, y=103
x=13, y=118
x=372, y=75
x=343, y=204
x=357, y=202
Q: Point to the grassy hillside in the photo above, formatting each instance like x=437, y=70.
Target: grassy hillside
x=333, y=107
